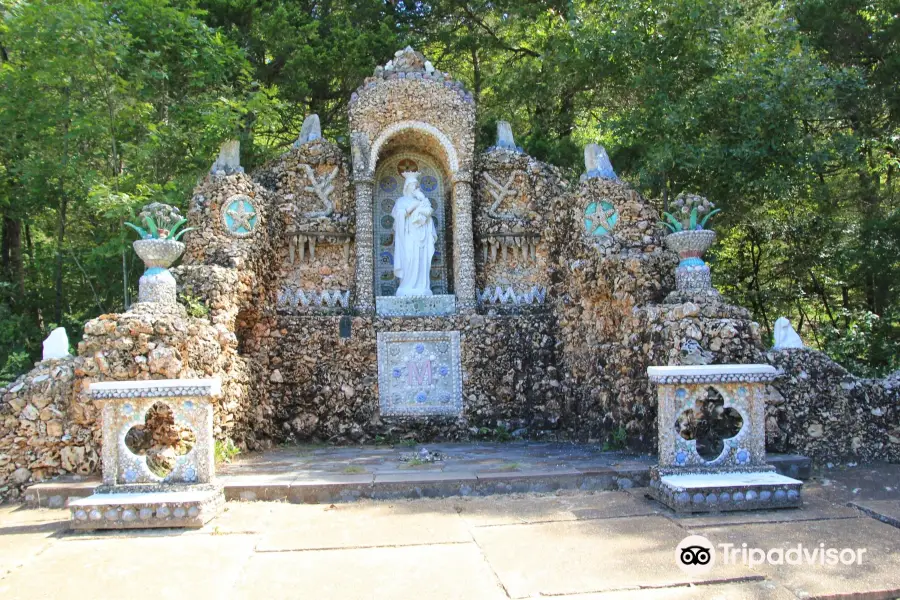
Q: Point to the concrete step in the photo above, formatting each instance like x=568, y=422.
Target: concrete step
x=301, y=486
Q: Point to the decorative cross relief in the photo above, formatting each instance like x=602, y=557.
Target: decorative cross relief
x=322, y=188
x=500, y=193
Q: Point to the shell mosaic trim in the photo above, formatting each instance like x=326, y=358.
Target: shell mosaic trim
x=415, y=306
x=130, y=514
x=693, y=242
x=364, y=300
x=714, y=378
x=148, y=510
x=734, y=448
x=499, y=295
x=745, y=450
x=296, y=299
x=391, y=131
x=239, y=216
x=154, y=392
x=726, y=498
x=122, y=466
x=127, y=404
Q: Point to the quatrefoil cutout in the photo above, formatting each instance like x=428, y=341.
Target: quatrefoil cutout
x=160, y=440
x=709, y=424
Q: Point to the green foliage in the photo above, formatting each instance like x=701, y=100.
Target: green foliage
x=617, y=440
x=16, y=363
x=226, y=451
x=869, y=347
x=195, y=306
x=496, y=434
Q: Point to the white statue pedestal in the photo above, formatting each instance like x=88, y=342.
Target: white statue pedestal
x=415, y=306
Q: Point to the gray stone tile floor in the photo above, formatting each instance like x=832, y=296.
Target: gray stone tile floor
x=569, y=545
x=463, y=459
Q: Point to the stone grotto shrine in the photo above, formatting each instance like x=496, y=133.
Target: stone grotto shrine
x=416, y=288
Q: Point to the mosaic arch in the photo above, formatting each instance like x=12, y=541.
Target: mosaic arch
x=389, y=187
x=421, y=127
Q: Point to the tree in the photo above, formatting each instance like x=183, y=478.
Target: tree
x=103, y=106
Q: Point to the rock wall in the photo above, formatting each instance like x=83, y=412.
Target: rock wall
x=49, y=426
x=323, y=387
x=617, y=317
x=822, y=411
x=514, y=198
x=44, y=431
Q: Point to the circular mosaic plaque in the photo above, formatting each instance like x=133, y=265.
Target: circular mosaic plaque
x=239, y=216
x=600, y=218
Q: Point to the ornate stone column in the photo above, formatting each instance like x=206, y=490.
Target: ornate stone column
x=463, y=243
x=364, y=300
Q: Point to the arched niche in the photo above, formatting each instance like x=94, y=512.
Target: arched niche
x=435, y=184
x=372, y=162
x=414, y=135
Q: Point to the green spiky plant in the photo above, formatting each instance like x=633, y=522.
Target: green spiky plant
x=162, y=222
x=691, y=209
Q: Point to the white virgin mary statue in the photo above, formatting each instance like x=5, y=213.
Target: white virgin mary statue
x=414, y=238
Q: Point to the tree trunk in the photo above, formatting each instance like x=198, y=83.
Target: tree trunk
x=60, y=239
x=4, y=250
x=11, y=252
x=12, y=229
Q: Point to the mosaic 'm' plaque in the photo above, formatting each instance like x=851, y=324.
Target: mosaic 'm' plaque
x=419, y=373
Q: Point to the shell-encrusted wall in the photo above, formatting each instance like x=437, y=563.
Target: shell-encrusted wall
x=315, y=256
x=514, y=198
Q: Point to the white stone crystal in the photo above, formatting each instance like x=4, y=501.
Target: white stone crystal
x=597, y=163
x=786, y=336
x=229, y=159
x=310, y=131
x=57, y=344
x=505, y=136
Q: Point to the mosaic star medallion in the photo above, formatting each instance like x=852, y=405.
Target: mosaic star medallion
x=600, y=218
x=239, y=216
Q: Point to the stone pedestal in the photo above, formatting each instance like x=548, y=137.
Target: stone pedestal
x=712, y=445
x=135, y=496
x=157, y=283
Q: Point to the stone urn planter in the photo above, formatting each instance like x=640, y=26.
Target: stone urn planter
x=157, y=283
x=692, y=273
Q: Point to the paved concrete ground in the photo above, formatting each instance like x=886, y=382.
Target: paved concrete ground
x=326, y=474
x=571, y=545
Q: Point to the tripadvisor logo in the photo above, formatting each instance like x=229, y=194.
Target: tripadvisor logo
x=696, y=555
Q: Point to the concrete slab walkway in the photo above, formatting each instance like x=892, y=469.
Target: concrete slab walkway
x=328, y=474
x=569, y=545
